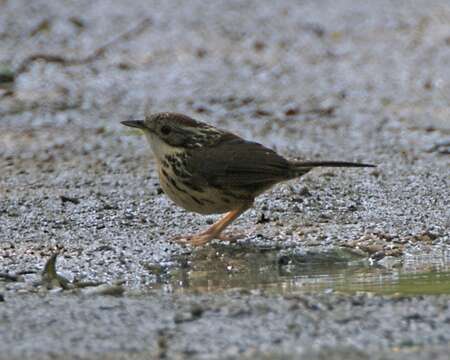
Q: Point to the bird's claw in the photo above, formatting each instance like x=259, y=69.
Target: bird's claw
x=230, y=237
x=203, y=238
x=193, y=240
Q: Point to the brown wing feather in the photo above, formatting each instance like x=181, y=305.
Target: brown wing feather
x=237, y=164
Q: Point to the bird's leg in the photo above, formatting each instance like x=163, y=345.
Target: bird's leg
x=215, y=230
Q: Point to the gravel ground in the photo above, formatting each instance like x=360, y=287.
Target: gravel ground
x=330, y=80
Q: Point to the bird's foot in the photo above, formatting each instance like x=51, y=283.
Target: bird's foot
x=231, y=237
x=205, y=237
x=214, y=231
x=194, y=240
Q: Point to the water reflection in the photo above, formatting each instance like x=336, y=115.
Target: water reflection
x=220, y=268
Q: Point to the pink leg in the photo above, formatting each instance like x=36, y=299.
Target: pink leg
x=213, y=232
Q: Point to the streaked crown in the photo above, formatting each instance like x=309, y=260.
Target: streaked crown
x=181, y=131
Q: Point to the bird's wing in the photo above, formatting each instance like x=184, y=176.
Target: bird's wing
x=237, y=164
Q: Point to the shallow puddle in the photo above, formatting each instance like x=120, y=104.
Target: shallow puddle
x=220, y=268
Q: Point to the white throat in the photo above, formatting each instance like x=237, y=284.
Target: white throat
x=159, y=147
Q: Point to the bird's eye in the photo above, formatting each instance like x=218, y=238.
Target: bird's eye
x=165, y=130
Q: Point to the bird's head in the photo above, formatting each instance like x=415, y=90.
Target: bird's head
x=168, y=132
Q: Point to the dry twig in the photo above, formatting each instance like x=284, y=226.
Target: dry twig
x=52, y=58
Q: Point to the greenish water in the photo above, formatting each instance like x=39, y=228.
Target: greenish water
x=221, y=268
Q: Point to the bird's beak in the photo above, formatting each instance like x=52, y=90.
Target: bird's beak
x=134, y=123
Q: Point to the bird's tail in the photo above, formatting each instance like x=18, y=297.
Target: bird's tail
x=300, y=168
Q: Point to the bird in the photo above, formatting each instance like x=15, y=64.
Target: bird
x=206, y=170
